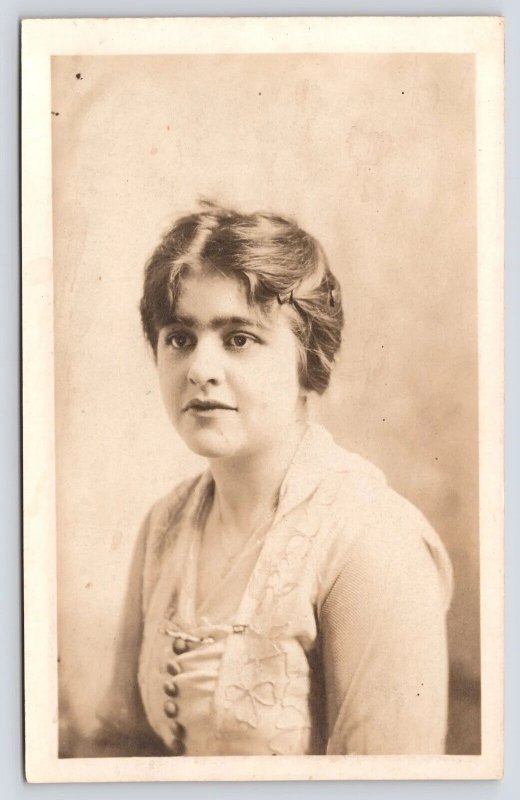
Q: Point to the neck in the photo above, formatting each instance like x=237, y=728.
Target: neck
x=247, y=488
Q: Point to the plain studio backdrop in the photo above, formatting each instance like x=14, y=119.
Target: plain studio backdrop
x=374, y=155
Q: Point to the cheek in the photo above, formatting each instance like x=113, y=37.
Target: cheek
x=280, y=378
x=169, y=381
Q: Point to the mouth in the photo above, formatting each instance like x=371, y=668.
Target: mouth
x=207, y=405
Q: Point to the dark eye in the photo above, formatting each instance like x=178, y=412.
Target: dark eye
x=239, y=341
x=179, y=341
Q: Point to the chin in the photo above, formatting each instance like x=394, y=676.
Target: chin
x=211, y=444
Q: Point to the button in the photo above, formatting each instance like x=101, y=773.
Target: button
x=177, y=747
x=179, y=646
x=173, y=668
x=178, y=730
x=170, y=708
x=171, y=689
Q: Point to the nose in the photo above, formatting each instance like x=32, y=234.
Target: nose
x=205, y=363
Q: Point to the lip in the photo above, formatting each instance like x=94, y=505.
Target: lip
x=207, y=405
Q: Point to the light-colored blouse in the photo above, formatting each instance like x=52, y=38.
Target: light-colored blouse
x=329, y=636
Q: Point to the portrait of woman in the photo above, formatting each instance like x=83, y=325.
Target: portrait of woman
x=286, y=600
x=266, y=523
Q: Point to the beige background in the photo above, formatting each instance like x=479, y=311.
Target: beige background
x=375, y=155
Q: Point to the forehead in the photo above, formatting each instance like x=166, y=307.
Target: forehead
x=204, y=295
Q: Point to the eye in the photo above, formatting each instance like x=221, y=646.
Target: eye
x=240, y=341
x=179, y=341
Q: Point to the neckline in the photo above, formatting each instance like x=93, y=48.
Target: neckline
x=189, y=609
x=190, y=542
x=299, y=483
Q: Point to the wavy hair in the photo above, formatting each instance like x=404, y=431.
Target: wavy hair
x=274, y=259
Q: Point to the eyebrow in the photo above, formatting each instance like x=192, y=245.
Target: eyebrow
x=217, y=323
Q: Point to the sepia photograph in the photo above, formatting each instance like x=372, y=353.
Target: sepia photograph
x=262, y=323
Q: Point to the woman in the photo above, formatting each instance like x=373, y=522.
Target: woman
x=286, y=601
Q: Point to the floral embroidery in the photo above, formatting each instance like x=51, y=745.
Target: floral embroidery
x=292, y=740
x=298, y=545
x=292, y=722
x=266, y=655
x=291, y=737
x=281, y=575
x=248, y=697
x=263, y=648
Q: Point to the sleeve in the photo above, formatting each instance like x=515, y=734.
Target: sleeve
x=123, y=728
x=384, y=650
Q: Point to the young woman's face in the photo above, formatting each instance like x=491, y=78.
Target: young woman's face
x=228, y=373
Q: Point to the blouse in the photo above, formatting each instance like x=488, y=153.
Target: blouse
x=329, y=636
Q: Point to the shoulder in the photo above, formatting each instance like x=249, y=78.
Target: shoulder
x=161, y=527
x=376, y=532
x=168, y=512
x=167, y=508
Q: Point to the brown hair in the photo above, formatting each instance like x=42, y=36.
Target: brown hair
x=274, y=259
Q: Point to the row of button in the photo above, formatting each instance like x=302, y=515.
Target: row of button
x=171, y=709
